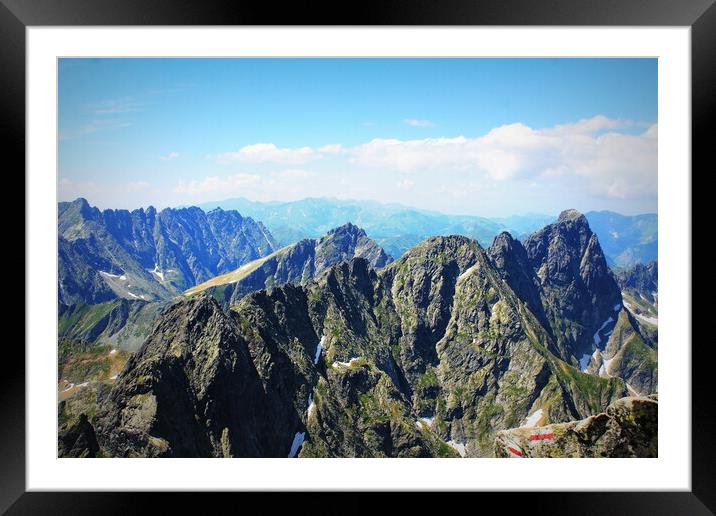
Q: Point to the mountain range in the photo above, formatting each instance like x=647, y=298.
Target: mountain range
x=296, y=263
x=625, y=239
x=149, y=255
x=430, y=355
x=126, y=323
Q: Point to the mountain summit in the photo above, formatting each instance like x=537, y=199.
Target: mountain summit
x=579, y=292
x=297, y=263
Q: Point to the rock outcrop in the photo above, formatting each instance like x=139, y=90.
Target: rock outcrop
x=628, y=428
x=79, y=440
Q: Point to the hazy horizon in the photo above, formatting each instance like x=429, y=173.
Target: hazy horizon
x=481, y=137
x=554, y=214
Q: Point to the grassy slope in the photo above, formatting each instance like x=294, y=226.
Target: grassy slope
x=235, y=275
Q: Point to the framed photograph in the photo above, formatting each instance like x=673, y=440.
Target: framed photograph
x=385, y=253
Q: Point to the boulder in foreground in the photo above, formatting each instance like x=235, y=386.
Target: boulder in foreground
x=628, y=428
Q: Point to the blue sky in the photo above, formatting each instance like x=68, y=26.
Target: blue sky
x=475, y=136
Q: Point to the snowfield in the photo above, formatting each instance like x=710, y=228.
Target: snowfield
x=466, y=273
x=157, y=271
x=319, y=348
x=533, y=419
x=344, y=364
x=597, y=338
x=460, y=447
x=584, y=361
x=425, y=420
x=109, y=275
x=297, y=442
x=643, y=318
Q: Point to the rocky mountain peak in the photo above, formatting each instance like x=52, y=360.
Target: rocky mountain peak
x=507, y=254
x=81, y=202
x=349, y=229
x=572, y=215
x=575, y=280
x=504, y=243
x=440, y=244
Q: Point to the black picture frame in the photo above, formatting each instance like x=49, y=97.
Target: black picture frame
x=700, y=15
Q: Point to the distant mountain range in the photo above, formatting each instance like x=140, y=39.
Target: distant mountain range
x=149, y=255
x=625, y=239
x=430, y=355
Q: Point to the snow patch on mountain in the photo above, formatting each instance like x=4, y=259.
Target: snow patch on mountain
x=296, y=444
x=533, y=419
x=597, y=338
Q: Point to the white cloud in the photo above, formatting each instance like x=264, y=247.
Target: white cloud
x=294, y=173
x=227, y=185
x=651, y=132
x=170, y=156
x=406, y=184
x=331, y=148
x=589, y=126
x=269, y=153
x=614, y=164
x=416, y=122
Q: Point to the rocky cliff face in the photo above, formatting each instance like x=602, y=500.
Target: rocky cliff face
x=149, y=255
x=193, y=390
x=628, y=428
x=578, y=291
x=640, y=290
x=79, y=440
x=297, y=263
x=640, y=277
x=121, y=323
x=430, y=356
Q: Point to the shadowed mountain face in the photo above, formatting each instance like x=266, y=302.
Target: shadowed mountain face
x=149, y=255
x=578, y=290
x=429, y=356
